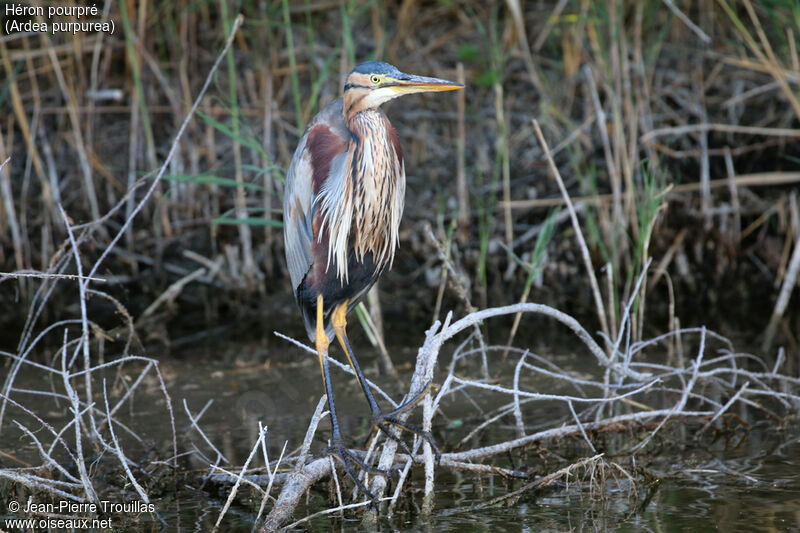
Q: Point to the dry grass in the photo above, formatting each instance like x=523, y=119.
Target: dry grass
x=622, y=90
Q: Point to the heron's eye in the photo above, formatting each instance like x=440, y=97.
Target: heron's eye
x=375, y=79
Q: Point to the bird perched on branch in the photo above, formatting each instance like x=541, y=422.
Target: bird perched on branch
x=344, y=197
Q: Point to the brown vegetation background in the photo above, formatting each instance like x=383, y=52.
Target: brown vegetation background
x=674, y=124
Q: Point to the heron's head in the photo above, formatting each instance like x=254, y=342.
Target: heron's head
x=374, y=82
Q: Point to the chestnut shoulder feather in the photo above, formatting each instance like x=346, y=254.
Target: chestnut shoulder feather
x=325, y=138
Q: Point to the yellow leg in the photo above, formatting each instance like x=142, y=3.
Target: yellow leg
x=339, y=321
x=337, y=448
x=321, y=340
x=380, y=420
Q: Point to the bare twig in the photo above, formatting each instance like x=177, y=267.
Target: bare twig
x=232, y=494
x=587, y=262
x=686, y=20
x=173, y=149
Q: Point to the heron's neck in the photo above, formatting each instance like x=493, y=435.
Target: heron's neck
x=373, y=155
x=365, y=123
x=377, y=179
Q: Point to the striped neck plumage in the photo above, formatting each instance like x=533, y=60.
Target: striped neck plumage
x=362, y=213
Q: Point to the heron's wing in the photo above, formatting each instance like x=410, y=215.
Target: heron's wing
x=325, y=139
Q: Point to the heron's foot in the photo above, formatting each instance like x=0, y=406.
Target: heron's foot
x=349, y=461
x=383, y=421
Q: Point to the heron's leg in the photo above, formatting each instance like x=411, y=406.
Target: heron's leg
x=380, y=420
x=337, y=448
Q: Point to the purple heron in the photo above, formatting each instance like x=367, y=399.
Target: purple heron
x=344, y=198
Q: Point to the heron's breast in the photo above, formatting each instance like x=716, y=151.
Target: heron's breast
x=361, y=199
x=380, y=180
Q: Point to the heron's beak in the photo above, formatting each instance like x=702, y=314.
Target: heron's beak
x=420, y=84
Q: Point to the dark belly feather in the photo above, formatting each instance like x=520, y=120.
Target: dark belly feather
x=334, y=291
